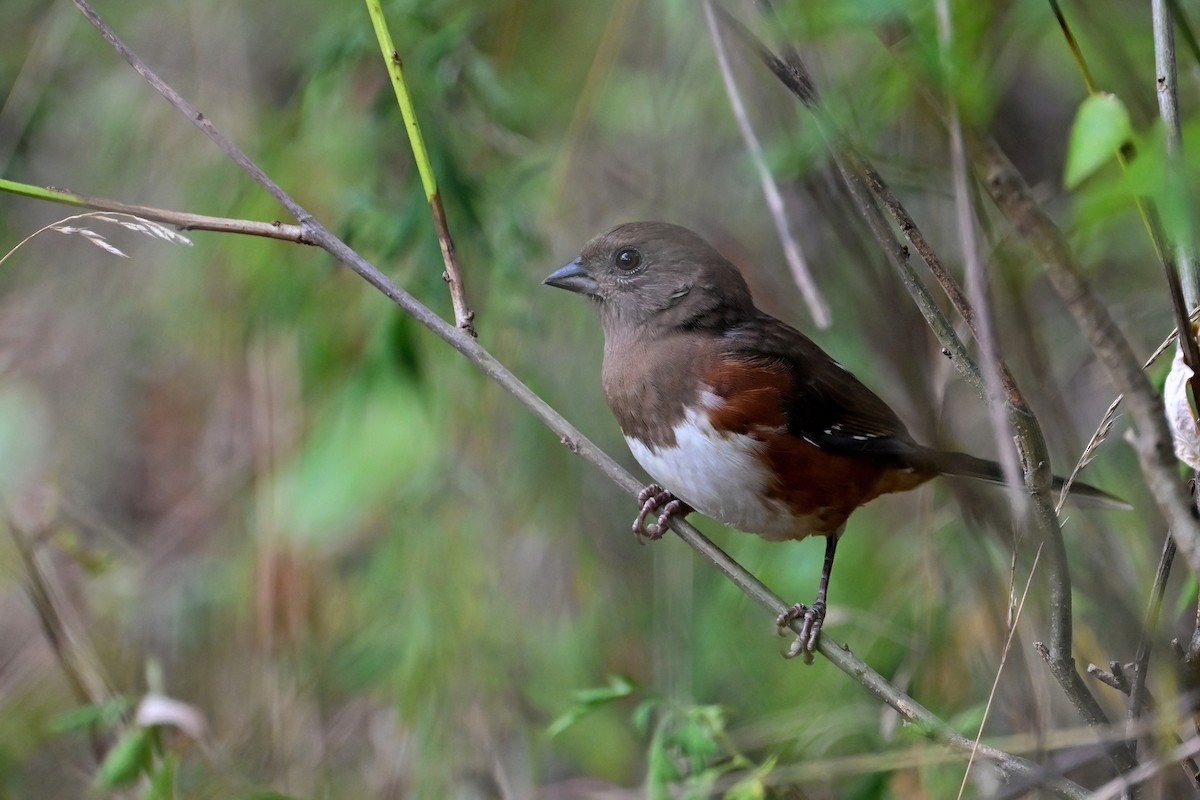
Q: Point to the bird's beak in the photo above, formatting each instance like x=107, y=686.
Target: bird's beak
x=574, y=277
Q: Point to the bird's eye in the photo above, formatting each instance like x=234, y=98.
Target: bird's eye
x=627, y=258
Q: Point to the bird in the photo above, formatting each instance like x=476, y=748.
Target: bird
x=736, y=414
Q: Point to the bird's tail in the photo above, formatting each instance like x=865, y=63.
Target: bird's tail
x=950, y=463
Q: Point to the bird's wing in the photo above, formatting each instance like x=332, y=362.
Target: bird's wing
x=822, y=401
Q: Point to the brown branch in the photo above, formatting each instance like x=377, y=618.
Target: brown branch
x=464, y=317
x=182, y=220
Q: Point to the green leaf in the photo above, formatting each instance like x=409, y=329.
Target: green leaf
x=77, y=719
x=127, y=760
x=588, y=700
x=1101, y=128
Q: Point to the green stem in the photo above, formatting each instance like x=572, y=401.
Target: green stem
x=396, y=72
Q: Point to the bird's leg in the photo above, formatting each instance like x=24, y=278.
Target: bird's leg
x=651, y=499
x=814, y=615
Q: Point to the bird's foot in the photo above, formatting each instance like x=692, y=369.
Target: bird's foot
x=810, y=630
x=651, y=499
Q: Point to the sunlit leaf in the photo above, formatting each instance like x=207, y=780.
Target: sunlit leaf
x=1101, y=128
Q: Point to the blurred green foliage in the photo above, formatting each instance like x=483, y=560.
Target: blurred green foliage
x=375, y=574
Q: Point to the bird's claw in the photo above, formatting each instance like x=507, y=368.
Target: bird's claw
x=651, y=499
x=810, y=630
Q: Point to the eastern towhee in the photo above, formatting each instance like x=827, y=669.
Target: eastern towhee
x=736, y=414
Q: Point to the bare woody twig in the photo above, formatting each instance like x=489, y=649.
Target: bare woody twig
x=909, y=709
x=180, y=219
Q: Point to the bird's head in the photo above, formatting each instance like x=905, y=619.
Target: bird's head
x=655, y=273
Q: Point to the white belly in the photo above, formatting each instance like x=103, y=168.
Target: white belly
x=720, y=475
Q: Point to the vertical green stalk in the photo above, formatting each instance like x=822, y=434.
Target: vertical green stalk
x=463, y=315
x=396, y=72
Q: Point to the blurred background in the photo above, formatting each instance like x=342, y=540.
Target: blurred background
x=245, y=481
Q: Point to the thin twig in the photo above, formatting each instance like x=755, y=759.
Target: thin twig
x=818, y=307
x=1031, y=444
x=1113, y=677
x=1080, y=61
x=928, y=723
x=182, y=220
x=1141, y=660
